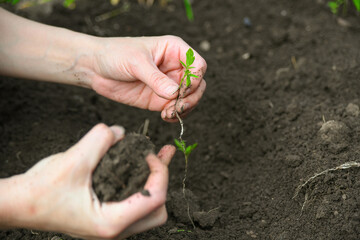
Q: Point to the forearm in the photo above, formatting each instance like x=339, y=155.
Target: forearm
x=36, y=51
x=12, y=202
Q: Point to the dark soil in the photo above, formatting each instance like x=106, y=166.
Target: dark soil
x=263, y=128
x=127, y=160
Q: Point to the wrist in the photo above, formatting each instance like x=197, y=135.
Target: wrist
x=75, y=54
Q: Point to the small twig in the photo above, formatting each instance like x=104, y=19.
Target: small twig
x=112, y=13
x=146, y=127
x=294, y=63
x=213, y=210
x=343, y=166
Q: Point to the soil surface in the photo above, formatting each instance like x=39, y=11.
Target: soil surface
x=282, y=104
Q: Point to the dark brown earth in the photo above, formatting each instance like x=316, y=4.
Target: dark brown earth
x=260, y=125
x=125, y=159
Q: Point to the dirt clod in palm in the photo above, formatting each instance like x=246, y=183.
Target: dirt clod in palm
x=123, y=170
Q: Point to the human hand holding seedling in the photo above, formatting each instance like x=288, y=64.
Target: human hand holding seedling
x=146, y=73
x=138, y=71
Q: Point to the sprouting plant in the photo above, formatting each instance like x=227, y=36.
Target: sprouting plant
x=10, y=1
x=189, y=11
x=336, y=4
x=180, y=143
x=69, y=3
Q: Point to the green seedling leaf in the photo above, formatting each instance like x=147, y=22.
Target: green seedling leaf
x=190, y=148
x=182, y=63
x=193, y=75
x=357, y=4
x=180, y=145
x=190, y=57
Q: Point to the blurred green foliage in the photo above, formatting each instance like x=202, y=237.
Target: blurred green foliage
x=336, y=4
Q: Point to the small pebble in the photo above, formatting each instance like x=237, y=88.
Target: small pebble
x=205, y=45
x=246, y=56
x=247, y=22
x=283, y=13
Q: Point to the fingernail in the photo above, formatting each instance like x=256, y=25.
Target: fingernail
x=163, y=114
x=118, y=131
x=184, y=107
x=171, y=90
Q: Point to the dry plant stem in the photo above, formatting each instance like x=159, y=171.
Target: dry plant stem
x=343, y=166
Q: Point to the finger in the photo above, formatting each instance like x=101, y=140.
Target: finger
x=154, y=219
x=184, y=105
x=95, y=144
x=119, y=132
x=161, y=84
x=138, y=206
x=166, y=153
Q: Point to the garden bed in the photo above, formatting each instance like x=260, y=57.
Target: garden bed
x=271, y=86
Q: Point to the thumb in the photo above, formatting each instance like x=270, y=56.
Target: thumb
x=161, y=84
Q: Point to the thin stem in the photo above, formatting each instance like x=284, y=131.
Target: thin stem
x=181, y=123
x=184, y=193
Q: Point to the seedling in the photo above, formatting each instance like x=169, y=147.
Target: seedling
x=180, y=143
x=336, y=4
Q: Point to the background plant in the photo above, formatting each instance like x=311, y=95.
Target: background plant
x=336, y=4
x=188, y=10
x=71, y=4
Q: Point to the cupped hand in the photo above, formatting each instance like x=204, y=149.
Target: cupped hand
x=145, y=72
x=61, y=197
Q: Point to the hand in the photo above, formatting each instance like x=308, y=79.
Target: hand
x=145, y=72
x=59, y=196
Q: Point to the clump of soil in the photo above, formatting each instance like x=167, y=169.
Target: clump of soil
x=176, y=205
x=335, y=136
x=123, y=170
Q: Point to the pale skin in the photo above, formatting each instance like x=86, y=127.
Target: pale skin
x=56, y=193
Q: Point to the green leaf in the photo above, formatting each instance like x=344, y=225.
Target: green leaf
x=68, y=3
x=182, y=63
x=190, y=57
x=357, y=4
x=191, y=67
x=188, y=81
x=188, y=9
x=193, y=75
x=333, y=6
x=190, y=148
x=180, y=145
